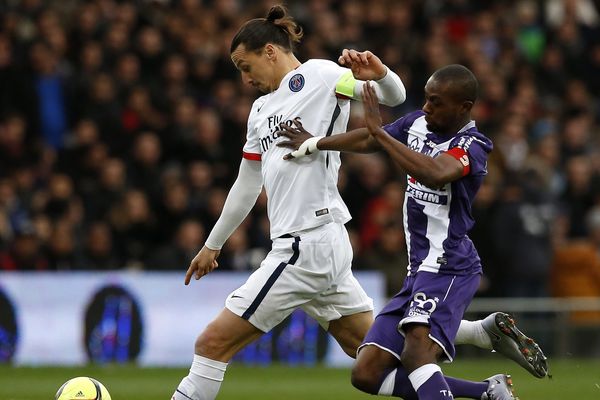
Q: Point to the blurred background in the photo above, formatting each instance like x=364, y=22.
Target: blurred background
x=121, y=129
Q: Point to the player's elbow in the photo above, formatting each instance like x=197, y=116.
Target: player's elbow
x=399, y=98
x=433, y=179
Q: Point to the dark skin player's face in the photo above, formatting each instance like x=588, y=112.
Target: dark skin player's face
x=445, y=113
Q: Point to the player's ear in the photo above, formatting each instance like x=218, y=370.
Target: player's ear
x=467, y=106
x=271, y=52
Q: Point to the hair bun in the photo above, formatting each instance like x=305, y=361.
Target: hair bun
x=276, y=12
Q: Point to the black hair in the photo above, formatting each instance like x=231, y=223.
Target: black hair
x=463, y=81
x=278, y=28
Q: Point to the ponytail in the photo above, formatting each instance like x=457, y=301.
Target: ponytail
x=278, y=28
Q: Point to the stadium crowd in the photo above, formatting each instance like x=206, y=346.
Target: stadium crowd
x=122, y=124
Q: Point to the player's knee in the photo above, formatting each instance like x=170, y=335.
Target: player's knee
x=351, y=346
x=365, y=379
x=417, y=349
x=211, y=344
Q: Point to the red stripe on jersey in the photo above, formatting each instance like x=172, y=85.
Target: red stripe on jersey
x=251, y=156
x=461, y=156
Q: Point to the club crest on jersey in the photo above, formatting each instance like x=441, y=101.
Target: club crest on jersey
x=296, y=83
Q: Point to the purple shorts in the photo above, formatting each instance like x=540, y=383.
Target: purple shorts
x=437, y=300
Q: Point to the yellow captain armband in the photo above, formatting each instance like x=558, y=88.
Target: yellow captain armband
x=345, y=85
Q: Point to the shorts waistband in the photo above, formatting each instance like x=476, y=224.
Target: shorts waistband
x=296, y=234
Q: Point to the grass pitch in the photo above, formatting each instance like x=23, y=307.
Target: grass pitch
x=572, y=379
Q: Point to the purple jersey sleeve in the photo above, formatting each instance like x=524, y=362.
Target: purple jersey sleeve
x=477, y=147
x=399, y=128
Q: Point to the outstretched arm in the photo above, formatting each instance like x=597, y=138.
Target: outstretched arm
x=366, y=66
x=240, y=200
x=304, y=143
x=432, y=172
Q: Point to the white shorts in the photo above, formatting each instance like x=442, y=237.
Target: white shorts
x=312, y=271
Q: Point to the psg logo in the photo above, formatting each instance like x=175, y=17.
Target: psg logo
x=296, y=83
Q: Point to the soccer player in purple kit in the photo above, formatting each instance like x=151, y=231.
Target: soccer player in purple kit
x=445, y=158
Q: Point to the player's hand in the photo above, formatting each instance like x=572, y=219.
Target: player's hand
x=297, y=140
x=364, y=64
x=371, y=108
x=204, y=262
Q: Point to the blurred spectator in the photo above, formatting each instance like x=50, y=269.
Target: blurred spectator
x=25, y=251
x=110, y=189
x=187, y=241
x=236, y=254
x=62, y=251
x=98, y=251
x=173, y=209
x=145, y=165
x=576, y=268
x=389, y=255
x=522, y=234
x=15, y=150
x=578, y=196
x=52, y=96
x=135, y=227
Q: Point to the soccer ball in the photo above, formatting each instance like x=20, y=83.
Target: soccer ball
x=82, y=388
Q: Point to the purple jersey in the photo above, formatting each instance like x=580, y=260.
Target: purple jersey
x=436, y=220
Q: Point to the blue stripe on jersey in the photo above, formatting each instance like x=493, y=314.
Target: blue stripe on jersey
x=336, y=113
x=271, y=281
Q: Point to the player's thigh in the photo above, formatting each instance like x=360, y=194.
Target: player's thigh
x=225, y=336
x=288, y=278
x=338, y=304
x=350, y=330
x=439, y=302
x=374, y=361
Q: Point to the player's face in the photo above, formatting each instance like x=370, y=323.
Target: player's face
x=256, y=68
x=443, y=112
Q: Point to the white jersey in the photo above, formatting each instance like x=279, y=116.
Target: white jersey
x=302, y=193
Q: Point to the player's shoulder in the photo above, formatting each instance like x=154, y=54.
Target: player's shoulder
x=258, y=103
x=413, y=116
x=322, y=67
x=466, y=138
x=406, y=121
x=320, y=63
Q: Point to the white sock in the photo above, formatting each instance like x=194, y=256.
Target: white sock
x=422, y=374
x=472, y=332
x=203, y=381
x=387, y=386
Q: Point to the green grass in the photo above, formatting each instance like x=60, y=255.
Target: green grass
x=572, y=380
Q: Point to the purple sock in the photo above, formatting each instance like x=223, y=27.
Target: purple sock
x=468, y=389
x=435, y=388
x=429, y=383
x=459, y=388
x=402, y=386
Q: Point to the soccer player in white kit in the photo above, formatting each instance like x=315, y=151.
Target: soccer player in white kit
x=309, y=266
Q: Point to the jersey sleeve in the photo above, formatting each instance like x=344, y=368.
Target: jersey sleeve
x=252, y=150
x=472, y=152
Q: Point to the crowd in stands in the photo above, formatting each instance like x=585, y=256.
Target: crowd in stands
x=122, y=124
